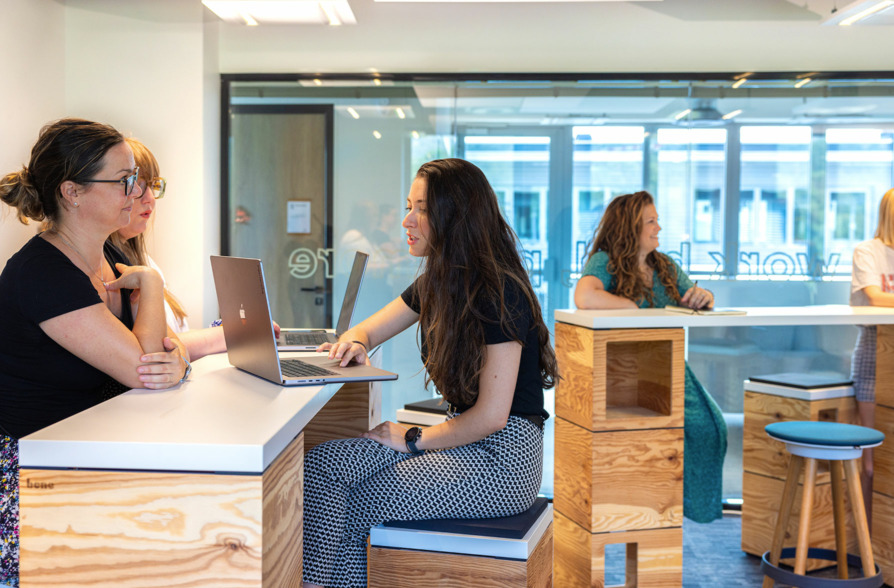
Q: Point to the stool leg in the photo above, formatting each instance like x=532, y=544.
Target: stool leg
x=804, y=524
x=838, y=515
x=785, y=510
x=859, y=510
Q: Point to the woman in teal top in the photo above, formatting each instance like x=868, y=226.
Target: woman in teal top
x=625, y=270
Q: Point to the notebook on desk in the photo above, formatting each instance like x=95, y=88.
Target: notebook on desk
x=248, y=330
x=705, y=311
x=310, y=339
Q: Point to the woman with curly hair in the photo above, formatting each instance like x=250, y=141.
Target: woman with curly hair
x=625, y=270
x=485, y=347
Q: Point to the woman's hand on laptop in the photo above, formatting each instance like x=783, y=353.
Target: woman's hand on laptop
x=346, y=352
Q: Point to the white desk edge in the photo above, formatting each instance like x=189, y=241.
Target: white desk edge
x=221, y=420
x=832, y=314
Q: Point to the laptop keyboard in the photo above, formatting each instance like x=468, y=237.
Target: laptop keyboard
x=295, y=368
x=306, y=338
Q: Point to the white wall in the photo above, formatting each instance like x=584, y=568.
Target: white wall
x=141, y=68
x=32, y=34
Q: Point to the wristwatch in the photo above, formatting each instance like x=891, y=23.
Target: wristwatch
x=411, y=437
x=188, y=370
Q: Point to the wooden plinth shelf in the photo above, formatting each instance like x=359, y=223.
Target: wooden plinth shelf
x=144, y=529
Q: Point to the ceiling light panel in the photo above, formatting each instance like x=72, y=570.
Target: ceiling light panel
x=271, y=12
x=863, y=12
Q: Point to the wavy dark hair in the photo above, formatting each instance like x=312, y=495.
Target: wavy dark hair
x=618, y=235
x=472, y=255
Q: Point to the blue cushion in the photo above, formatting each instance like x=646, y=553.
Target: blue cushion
x=804, y=381
x=825, y=433
x=513, y=527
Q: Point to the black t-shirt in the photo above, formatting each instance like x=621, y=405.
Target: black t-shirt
x=528, y=397
x=40, y=382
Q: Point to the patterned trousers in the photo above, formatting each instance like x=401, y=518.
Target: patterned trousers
x=863, y=364
x=9, y=511
x=351, y=485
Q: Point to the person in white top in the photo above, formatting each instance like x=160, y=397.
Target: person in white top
x=872, y=284
x=131, y=241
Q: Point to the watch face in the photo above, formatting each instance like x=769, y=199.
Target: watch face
x=413, y=433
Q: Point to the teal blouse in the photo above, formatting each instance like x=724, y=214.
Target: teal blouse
x=597, y=266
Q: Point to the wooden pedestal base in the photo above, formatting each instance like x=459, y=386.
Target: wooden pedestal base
x=404, y=568
x=140, y=529
x=654, y=557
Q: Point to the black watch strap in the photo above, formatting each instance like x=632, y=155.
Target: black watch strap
x=411, y=437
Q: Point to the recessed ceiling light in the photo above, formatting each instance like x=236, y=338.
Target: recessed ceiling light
x=400, y=112
x=739, y=82
x=377, y=82
x=680, y=115
x=267, y=12
x=352, y=112
x=802, y=83
x=732, y=114
x=860, y=11
x=377, y=134
x=415, y=134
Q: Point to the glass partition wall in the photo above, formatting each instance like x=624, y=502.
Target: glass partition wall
x=763, y=189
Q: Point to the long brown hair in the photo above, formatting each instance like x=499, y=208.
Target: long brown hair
x=472, y=255
x=618, y=235
x=135, y=248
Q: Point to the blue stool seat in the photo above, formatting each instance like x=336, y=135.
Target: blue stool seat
x=825, y=434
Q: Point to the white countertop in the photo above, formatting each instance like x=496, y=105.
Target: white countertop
x=763, y=316
x=220, y=420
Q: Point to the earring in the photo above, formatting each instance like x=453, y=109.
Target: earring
x=76, y=204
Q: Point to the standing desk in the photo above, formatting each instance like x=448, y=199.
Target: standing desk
x=622, y=391
x=196, y=485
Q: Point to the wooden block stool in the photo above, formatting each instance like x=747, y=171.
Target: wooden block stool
x=842, y=445
x=465, y=553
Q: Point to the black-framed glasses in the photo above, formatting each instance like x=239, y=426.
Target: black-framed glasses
x=129, y=182
x=157, y=185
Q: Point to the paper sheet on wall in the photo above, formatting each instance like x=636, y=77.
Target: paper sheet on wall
x=298, y=216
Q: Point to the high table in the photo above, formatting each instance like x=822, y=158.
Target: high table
x=619, y=419
x=197, y=485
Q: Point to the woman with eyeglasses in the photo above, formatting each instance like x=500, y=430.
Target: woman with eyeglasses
x=69, y=335
x=131, y=241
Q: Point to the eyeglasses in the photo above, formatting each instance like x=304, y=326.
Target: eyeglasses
x=127, y=182
x=157, y=185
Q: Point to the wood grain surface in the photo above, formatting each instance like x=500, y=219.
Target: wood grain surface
x=620, y=379
x=404, y=568
x=884, y=366
x=354, y=409
x=654, y=557
x=619, y=480
x=143, y=529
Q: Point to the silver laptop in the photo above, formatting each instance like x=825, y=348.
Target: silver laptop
x=310, y=339
x=248, y=330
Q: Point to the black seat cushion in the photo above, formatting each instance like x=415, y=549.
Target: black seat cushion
x=514, y=527
x=804, y=381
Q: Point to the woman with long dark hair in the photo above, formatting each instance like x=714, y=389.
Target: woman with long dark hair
x=625, y=270
x=484, y=346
